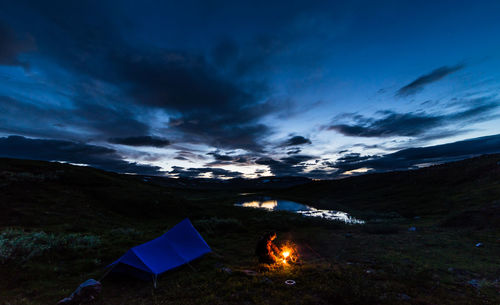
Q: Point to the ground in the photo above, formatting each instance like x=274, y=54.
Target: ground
x=93, y=217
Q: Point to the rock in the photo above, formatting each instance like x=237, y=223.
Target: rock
x=226, y=270
x=479, y=245
x=86, y=292
x=416, y=217
x=451, y=269
x=412, y=229
x=348, y=235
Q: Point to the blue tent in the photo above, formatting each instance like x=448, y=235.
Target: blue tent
x=177, y=247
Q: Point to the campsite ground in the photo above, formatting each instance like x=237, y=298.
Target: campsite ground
x=92, y=217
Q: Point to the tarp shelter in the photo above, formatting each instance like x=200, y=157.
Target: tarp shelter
x=177, y=247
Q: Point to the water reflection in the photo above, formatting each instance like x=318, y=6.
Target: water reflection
x=305, y=210
x=268, y=204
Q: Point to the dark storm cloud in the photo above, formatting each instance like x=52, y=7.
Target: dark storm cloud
x=141, y=141
x=212, y=110
x=288, y=166
x=414, y=124
x=296, y=140
x=220, y=133
x=222, y=159
x=392, y=124
x=279, y=168
x=177, y=81
x=209, y=106
x=296, y=159
x=13, y=44
x=410, y=157
x=419, y=83
x=294, y=151
x=56, y=150
x=364, y=146
x=196, y=172
x=57, y=122
x=107, y=120
x=185, y=155
x=352, y=157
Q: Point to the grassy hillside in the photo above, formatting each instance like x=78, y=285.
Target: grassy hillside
x=61, y=224
x=436, y=190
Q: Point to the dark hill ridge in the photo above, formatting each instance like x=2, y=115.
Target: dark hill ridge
x=441, y=189
x=34, y=193
x=258, y=184
x=445, y=188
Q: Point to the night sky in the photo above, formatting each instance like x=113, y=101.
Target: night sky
x=226, y=89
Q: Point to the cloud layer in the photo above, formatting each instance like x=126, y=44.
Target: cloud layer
x=413, y=124
x=71, y=152
x=419, y=83
x=413, y=157
x=141, y=141
x=296, y=140
x=108, y=82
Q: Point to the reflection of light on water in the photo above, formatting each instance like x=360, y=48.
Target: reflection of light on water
x=268, y=204
x=284, y=205
x=332, y=215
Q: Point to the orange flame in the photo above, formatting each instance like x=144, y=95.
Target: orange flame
x=288, y=253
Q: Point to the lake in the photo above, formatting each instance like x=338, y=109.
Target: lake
x=270, y=204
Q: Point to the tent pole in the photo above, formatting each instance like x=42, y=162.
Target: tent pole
x=154, y=280
x=106, y=273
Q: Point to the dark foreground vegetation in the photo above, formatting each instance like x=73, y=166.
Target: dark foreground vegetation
x=62, y=224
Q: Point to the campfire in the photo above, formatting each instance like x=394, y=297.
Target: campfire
x=288, y=254
x=276, y=255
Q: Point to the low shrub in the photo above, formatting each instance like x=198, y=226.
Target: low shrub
x=17, y=245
